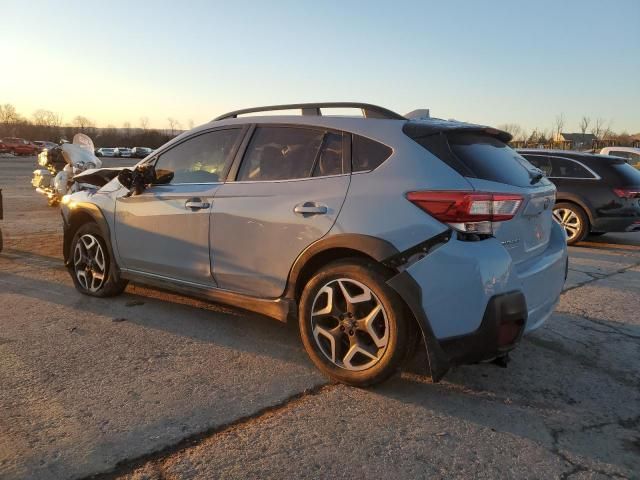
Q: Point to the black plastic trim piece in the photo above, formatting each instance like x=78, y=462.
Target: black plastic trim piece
x=417, y=252
x=373, y=247
x=280, y=309
x=96, y=215
x=437, y=361
x=369, y=111
x=483, y=343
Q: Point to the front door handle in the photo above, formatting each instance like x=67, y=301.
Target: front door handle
x=196, y=204
x=310, y=208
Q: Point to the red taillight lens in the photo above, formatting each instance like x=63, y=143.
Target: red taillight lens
x=461, y=207
x=627, y=192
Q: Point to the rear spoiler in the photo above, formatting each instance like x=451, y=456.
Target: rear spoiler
x=425, y=128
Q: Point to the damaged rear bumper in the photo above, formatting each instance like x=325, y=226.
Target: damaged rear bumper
x=473, y=304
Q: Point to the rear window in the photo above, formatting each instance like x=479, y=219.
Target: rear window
x=627, y=176
x=490, y=159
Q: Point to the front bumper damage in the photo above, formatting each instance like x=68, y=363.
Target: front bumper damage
x=473, y=304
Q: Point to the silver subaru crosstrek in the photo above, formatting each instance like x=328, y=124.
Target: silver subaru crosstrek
x=377, y=234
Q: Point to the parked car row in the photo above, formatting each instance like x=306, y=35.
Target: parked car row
x=596, y=193
x=19, y=146
x=123, y=152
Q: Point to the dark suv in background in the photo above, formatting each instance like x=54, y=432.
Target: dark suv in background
x=596, y=193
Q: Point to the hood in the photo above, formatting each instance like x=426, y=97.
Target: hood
x=98, y=176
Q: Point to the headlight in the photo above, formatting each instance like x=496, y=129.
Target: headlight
x=42, y=158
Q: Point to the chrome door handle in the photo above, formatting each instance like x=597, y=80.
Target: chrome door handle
x=196, y=204
x=310, y=208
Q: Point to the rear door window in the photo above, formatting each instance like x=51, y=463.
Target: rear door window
x=567, y=168
x=540, y=161
x=288, y=153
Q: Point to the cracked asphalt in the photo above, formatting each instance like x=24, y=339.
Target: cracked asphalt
x=151, y=385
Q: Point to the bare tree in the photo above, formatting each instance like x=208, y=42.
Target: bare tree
x=46, y=118
x=514, y=129
x=584, y=124
x=83, y=123
x=174, y=125
x=598, y=128
x=8, y=114
x=144, y=123
x=558, y=126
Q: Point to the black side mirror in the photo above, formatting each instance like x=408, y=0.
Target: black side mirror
x=163, y=177
x=125, y=177
x=139, y=178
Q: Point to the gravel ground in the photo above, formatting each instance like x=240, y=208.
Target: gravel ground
x=151, y=385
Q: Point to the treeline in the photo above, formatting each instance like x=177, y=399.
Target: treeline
x=47, y=125
x=598, y=127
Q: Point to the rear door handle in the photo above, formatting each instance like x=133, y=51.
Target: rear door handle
x=196, y=204
x=310, y=208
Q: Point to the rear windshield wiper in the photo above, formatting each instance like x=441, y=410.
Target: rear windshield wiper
x=536, y=176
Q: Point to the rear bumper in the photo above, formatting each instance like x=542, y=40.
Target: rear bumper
x=462, y=294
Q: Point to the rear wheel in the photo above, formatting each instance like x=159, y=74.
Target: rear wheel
x=573, y=219
x=92, y=267
x=354, y=327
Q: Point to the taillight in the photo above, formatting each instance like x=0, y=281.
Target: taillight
x=472, y=212
x=627, y=192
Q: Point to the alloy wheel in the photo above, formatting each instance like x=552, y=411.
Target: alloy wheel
x=569, y=220
x=349, y=324
x=89, y=262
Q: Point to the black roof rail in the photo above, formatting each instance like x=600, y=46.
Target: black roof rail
x=313, y=109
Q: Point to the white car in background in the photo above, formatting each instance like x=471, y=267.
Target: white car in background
x=123, y=152
x=105, y=152
x=631, y=154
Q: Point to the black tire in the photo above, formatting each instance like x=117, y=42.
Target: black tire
x=400, y=339
x=111, y=284
x=581, y=227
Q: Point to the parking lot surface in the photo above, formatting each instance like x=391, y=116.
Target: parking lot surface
x=151, y=385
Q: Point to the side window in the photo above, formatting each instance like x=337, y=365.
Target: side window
x=286, y=153
x=618, y=153
x=541, y=162
x=200, y=159
x=368, y=154
x=565, y=168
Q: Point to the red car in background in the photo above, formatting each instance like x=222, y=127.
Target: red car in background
x=18, y=146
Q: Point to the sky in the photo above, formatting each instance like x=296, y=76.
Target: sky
x=490, y=62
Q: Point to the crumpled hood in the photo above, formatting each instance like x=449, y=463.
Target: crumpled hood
x=98, y=176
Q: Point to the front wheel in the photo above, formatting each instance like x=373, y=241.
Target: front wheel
x=92, y=267
x=573, y=219
x=354, y=327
